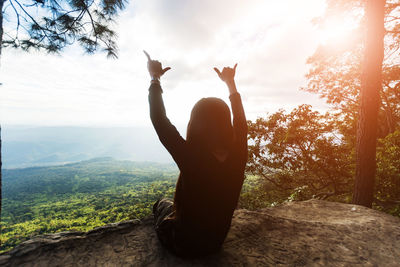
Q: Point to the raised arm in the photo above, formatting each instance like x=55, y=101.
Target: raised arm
x=167, y=133
x=239, y=118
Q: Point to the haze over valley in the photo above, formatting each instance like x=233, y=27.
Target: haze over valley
x=25, y=146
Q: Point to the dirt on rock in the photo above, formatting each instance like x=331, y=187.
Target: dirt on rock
x=308, y=233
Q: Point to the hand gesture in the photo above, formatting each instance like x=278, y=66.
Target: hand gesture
x=228, y=74
x=155, y=67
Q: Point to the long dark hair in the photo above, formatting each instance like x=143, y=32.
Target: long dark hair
x=210, y=125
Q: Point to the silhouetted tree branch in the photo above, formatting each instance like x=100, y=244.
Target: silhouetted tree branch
x=59, y=24
x=89, y=22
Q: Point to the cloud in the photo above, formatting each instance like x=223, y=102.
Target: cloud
x=269, y=39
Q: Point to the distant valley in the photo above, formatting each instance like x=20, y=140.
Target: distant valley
x=24, y=146
x=79, y=196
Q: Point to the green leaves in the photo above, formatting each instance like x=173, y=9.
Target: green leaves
x=300, y=150
x=111, y=7
x=335, y=74
x=80, y=196
x=88, y=22
x=387, y=190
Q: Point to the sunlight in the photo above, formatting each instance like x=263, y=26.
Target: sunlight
x=336, y=31
x=257, y=34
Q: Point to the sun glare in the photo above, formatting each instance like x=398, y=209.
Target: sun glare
x=336, y=32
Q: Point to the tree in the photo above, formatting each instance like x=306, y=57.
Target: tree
x=371, y=85
x=60, y=24
x=336, y=68
x=337, y=75
x=387, y=192
x=300, y=155
x=51, y=25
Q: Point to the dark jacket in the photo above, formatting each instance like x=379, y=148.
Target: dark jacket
x=207, y=190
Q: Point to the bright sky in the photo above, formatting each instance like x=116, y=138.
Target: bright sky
x=270, y=41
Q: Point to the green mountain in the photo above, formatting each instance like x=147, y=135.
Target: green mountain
x=79, y=196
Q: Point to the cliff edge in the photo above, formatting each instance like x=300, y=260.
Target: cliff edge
x=305, y=233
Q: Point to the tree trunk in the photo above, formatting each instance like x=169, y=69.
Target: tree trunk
x=371, y=85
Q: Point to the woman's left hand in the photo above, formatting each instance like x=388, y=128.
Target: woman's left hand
x=155, y=67
x=227, y=75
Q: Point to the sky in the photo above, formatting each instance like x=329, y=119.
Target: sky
x=269, y=39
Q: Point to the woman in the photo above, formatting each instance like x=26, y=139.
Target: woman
x=211, y=162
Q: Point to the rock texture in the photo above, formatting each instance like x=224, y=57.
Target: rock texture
x=309, y=233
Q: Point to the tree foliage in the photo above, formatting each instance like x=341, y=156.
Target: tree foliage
x=88, y=194
x=300, y=151
x=335, y=68
x=304, y=154
x=387, y=190
x=80, y=196
x=52, y=25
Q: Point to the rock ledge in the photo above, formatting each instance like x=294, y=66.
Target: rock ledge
x=305, y=233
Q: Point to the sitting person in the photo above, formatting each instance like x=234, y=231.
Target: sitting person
x=211, y=161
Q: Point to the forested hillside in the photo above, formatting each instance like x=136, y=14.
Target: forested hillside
x=80, y=196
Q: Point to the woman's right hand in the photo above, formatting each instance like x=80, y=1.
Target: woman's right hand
x=228, y=74
x=155, y=67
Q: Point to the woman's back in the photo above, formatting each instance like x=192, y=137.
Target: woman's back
x=211, y=163
x=207, y=194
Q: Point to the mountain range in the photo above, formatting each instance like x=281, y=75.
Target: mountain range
x=25, y=146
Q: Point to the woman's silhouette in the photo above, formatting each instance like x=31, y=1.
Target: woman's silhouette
x=211, y=162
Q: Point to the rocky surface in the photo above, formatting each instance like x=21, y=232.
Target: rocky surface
x=309, y=233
